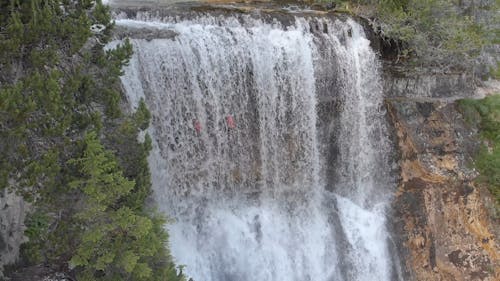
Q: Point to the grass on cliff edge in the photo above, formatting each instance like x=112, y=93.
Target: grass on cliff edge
x=485, y=114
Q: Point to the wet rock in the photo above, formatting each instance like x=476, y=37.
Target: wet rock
x=148, y=34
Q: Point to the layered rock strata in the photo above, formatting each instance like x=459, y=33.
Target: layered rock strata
x=443, y=220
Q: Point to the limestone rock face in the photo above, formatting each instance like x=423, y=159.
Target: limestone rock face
x=12, y=213
x=442, y=222
x=426, y=83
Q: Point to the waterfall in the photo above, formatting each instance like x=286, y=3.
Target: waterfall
x=271, y=154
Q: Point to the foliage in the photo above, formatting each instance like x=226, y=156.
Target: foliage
x=117, y=243
x=486, y=114
x=495, y=72
x=47, y=89
x=436, y=32
x=36, y=230
x=66, y=146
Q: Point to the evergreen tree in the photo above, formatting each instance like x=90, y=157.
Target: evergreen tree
x=116, y=243
x=59, y=98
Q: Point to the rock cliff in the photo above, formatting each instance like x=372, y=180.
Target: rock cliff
x=443, y=220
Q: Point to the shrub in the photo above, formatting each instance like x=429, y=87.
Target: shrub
x=485, y=114
x=435, y=32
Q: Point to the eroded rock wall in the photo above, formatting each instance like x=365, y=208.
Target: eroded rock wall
x=442, y=223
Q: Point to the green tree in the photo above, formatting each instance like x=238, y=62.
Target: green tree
x=116, y=242
x=59, y=91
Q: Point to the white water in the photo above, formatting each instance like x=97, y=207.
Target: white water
x=285, y=195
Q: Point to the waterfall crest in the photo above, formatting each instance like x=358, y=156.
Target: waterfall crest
x=270, y=147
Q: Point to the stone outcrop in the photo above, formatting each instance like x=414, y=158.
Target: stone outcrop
x=12, y=213
x=442, y=222
x=426, y=84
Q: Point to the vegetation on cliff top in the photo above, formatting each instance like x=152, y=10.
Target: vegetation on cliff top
x=485, y=114
x=444, y=33
x=66, y=147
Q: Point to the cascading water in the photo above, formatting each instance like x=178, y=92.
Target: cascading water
x=270, y=149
